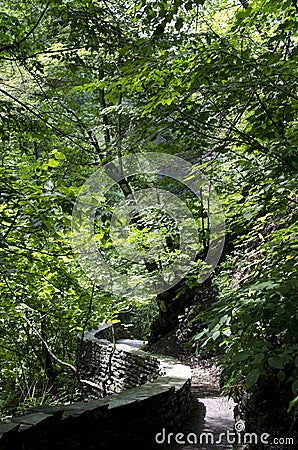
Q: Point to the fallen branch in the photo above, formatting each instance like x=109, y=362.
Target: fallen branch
x=90, y=383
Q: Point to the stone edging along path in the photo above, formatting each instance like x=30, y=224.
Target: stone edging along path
x=129, y=417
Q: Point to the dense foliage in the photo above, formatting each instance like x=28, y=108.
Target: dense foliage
x=84, y=81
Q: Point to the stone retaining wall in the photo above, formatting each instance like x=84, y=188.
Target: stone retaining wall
x=114, y=367
x=131, y=418
x=111, y=332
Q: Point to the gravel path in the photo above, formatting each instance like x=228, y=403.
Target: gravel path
x=210, y=415
x=210, y=412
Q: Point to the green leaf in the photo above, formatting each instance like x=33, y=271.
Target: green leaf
x=295, y=387
x=215, y=334
x=179, y=24
x=281, y=375
x=200, y=335
x=276, y=363
x=159, y=29
x=227, y=332
x=259, y=358
x=188, y=6
x=263, y=285
x=59, y=155
x=252, y=377
x=53, y=163
x=241, y=356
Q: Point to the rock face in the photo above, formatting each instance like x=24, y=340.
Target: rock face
x=132, y=417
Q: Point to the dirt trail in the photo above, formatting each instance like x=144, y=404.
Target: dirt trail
x=210, y=412
x=211, y=415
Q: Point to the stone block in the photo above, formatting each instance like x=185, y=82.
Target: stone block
x=7, y=428
x=34, y=419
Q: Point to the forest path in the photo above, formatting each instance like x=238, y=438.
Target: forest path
x=211, y=415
